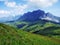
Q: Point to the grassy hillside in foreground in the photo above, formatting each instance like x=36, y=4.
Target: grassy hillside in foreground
x=39, y=27
x=11, y=36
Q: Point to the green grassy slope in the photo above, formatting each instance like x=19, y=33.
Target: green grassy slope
x=12, y=36
x=39, y=27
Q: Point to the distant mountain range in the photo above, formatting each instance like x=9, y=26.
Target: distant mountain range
x=39, y=15
x=37, y=22
x=33, y=16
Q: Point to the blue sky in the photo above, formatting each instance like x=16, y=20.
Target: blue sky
x=19, y=7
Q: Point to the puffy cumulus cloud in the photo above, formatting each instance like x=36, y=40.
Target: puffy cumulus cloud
x=15, y=9
x=12, y=9
x=42, y=3
x=18, y=10
x=10, y=4
x=4, y=13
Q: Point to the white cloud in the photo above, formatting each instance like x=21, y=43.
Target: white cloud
x=42, y=3
x=14, y=8
x=4, y=13
x=18, y=10
x=10, y=4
